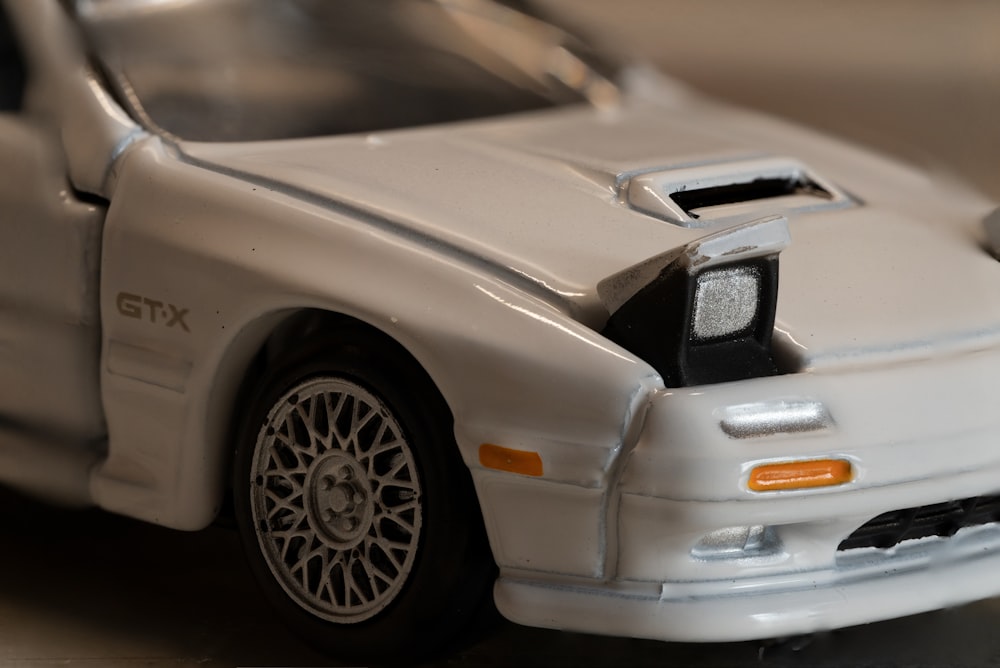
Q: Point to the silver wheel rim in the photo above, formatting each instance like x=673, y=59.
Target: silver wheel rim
x=335, y=499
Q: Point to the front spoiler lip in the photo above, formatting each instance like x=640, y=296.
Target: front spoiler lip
x=731, y=611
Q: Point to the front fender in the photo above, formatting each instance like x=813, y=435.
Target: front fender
x=212, y=264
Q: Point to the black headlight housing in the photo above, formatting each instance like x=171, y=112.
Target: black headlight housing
x=703, y=313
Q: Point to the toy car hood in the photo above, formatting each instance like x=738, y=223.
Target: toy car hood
x=882, y=264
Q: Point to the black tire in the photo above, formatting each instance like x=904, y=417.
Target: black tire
x=355, y=511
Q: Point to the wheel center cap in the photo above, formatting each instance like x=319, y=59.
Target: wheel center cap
x=340, y=500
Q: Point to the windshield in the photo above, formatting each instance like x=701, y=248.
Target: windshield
x=237, y=70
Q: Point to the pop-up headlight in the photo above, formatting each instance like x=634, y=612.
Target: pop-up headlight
x=702, y=313
x=725, y=302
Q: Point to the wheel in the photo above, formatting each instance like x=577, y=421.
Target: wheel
x=355, y=510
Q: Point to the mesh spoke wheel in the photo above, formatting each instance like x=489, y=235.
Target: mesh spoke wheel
x=356, y=512
x=336, y=499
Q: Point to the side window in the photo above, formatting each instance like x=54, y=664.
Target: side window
x=12, y=70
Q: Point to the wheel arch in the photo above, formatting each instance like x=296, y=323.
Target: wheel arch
x=449, y=571
x=257, y=345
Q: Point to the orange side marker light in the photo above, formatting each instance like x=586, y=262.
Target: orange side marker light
x=504, y=459
x=800, y=475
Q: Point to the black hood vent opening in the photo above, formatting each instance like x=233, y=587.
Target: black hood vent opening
x=734, y=193
x=729, y=192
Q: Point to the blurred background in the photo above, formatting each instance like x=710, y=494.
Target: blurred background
x=919, y=79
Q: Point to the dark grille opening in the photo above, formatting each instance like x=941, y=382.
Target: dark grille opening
x=734, y=193
x=939, y=519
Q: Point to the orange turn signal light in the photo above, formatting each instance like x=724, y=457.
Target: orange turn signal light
x=504, y=459
x=800, y=475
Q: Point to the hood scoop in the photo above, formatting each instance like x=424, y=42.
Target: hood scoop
x=705, y=195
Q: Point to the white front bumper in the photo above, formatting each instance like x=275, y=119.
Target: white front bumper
x=757, y=608
x=916, y=434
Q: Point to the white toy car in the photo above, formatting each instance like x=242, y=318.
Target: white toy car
x=233, y=268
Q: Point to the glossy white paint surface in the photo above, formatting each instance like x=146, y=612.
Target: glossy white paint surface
x=479, y=247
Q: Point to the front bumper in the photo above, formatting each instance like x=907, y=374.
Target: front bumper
x=757, y=608
x=916, y=434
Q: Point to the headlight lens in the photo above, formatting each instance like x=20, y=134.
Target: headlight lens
x=725, y=302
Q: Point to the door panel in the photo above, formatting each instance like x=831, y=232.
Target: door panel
x=50, y=245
